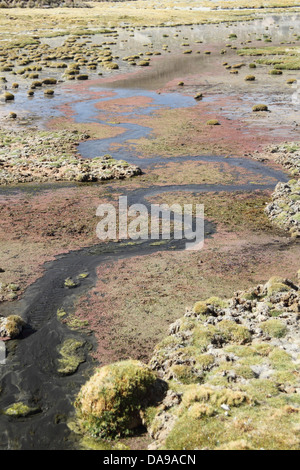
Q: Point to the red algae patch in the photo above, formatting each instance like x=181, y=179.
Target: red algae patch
x=127, y=105
x=150, y=291
x=178, y=132
x=191, y=172
x=136, y=299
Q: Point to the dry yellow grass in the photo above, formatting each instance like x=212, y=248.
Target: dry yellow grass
x=251, y=3
x=16, y=20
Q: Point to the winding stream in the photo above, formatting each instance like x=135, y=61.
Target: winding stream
x=30, y=374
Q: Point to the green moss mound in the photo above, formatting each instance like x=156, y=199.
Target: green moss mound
x=48, y=81
x=198, y=96
x=232, y=375
x=70, y=283
x=8, y=96
x=144, y=63
x=276, y=285
x=203, y=425
x=109, y=404
x=206, y=307
x=274, y=328
x=260, y=107
x=112, y=66
x=200, y=308
x=14, y=325
x=275, y=72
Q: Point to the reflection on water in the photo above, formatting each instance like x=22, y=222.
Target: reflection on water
x=86, y=112
x=164, y=70
x=141, y=40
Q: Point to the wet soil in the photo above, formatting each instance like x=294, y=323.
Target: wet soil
x=145, y=119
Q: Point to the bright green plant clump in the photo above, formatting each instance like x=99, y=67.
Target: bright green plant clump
x=72, y=356
x=20, y=410
x=69, y=283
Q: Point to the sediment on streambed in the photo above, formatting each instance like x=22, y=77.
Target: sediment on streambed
x=226, y=377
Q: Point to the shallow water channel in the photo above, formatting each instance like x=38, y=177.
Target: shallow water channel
x=30, y=373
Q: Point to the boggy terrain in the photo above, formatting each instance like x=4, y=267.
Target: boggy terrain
x=205, y=112
x=228, y=372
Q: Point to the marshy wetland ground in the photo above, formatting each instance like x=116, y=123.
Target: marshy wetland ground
x=163, y=102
